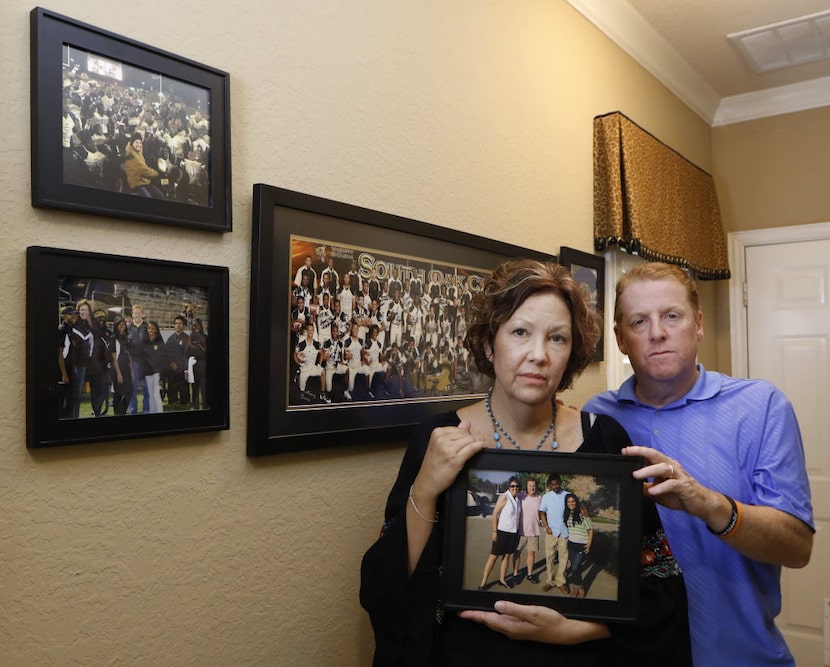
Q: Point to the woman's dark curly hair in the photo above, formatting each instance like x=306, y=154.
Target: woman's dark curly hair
x=508, y=288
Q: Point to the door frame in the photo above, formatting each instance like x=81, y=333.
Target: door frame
x=738, y=242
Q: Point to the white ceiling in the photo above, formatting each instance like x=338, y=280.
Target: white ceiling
x=684, y=44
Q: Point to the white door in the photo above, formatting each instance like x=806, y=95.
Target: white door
x=788, y=343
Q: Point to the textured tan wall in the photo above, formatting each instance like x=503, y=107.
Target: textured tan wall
x=470, y=113
x=770, y=172
x=773, y=172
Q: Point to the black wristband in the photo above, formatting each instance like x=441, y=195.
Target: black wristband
x=733, y=520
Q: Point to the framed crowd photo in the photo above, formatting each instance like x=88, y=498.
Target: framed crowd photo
x=357, y=321
x=603, y=581
x=126, y=130
x=589, y=271
x=121, y=347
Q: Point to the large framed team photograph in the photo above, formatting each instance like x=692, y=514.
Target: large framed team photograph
x=123, y=129
x=123, y=347
x=594, y=573
x=357, y=321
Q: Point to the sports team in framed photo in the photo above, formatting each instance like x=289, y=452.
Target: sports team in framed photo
x=369, y=325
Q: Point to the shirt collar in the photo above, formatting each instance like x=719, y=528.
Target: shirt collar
x=707, y=385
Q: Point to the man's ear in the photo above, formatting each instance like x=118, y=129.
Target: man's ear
x=620, y=343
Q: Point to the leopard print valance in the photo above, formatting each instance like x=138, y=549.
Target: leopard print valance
x=652, y=201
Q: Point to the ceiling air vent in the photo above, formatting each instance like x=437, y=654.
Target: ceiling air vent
x=785, y=44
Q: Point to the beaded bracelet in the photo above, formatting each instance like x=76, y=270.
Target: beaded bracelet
x=417, y=511
x=734, y=521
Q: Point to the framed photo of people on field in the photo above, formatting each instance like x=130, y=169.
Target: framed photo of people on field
x=123, y=129
x=600, y=504
x=358, y=320
x=589, y=271
x=123, y=347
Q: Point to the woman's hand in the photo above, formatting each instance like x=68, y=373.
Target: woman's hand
x=449, y=448
x=534, y=623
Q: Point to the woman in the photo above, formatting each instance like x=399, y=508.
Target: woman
x=531, y=332
x=84, y=309
x=197, y=359
x=99, y=373
x=139, y=175
x=155, y=362
x=506, y=515
x=81, y=345
x=580, y=537
x=122, y=369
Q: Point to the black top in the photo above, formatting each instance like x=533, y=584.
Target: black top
x=411, y=629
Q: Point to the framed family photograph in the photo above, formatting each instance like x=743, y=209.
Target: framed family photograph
x=123, y=129
x=358, y=319
x=589, y=271
x=593, y=496
x=122, y=347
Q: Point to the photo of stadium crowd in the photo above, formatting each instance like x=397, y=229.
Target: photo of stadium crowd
x=130, y=348
x=372, y=325
x=128, y=130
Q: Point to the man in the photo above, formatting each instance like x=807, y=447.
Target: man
x=344, y=323
x=306, y=270
x=332, y=352
x=354, y=278
x=67, y=369
x=354, y=354
x=333, y=276
x=395, y=285
x=301, y=291
x=138, y=337
x=726, y=455
x=529, y=501
x=307, y=357
x=552, y=516
x=360, y=314
x=346, y=296
x=300, y=316
x=323, y=322
x=325, y=287
x=395, y=317
x=373, y=286
x=377, y=317
x=373, y=359
x=178, y=391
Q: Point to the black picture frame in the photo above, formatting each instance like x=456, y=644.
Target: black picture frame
x=56, y=280
x=194, y=193
x=589, y=271
x=280, y=216
x=613, y=572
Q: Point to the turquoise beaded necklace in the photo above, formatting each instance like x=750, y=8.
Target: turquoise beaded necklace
x=498, y=429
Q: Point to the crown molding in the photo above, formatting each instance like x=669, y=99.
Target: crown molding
x=626, y=27
x=773, y=102
x=621, y=23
